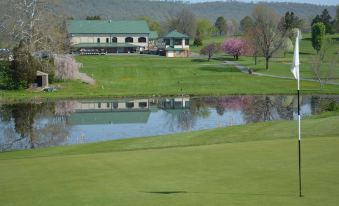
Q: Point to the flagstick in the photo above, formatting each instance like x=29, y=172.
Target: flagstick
x=299, y=136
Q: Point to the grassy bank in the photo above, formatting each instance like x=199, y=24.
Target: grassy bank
x=229, y=166
x=145, y=75
x=119, y=76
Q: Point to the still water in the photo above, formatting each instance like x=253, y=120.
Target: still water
x=45, y=124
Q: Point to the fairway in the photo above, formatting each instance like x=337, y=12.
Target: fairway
x=252, y=173
x=146, y=75
x=228, y=166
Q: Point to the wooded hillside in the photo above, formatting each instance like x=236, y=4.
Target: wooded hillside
x=160, y=10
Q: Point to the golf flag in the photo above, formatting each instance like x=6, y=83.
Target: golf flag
x=295, y=65
x=295, y=71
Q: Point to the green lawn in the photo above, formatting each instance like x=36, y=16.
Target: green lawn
x=119, y=76
x=228, y=166
x=145, y=75
x=280, y=65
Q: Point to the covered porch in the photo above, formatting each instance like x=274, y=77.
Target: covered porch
x=99, y=49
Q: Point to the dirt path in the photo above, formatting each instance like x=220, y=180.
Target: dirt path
x=244, y=70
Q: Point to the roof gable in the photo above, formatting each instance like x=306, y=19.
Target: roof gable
x=106, y=27
x=153, y=35
x=175, y=34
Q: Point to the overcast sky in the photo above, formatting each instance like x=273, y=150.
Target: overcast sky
x=321, y=2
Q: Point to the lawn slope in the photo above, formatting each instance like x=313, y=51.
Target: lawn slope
x=145, y=75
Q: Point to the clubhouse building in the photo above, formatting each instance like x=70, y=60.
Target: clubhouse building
x=97, y=36
x=94, y=37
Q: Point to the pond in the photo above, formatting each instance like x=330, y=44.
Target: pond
x=45, y=124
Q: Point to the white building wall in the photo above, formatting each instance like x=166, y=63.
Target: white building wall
x=88, y=38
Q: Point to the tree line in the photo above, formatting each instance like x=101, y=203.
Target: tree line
x=265, y=33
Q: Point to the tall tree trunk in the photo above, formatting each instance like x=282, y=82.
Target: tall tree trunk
x=267, y=60
x=255, y=60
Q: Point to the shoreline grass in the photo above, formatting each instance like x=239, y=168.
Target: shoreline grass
x=314, y=126
x=147, y=76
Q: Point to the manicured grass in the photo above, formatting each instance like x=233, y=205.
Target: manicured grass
x=214, y=167
x=145, y=75
x=119, y=76
x=280, y=65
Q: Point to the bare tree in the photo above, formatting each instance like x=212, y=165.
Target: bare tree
x=184, y=22
x=209, y=50
x=267, y=32
x=251, y=45
x=32, y=22
x=324, y=63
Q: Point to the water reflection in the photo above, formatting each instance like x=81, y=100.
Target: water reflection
x=33, y=125
x=28, y=126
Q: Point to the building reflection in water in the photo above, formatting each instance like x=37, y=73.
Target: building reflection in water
x=33, y=125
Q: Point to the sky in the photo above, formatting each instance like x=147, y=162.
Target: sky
x=320, y=2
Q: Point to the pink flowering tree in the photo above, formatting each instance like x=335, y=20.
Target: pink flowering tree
x=234, y=47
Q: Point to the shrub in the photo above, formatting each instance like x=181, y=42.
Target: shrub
x=23, y=68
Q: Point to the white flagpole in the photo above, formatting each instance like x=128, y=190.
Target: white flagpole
x=296, y=73
x=299, y=136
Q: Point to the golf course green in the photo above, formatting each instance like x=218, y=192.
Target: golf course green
x=226, y=166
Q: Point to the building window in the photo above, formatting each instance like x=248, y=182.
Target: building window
x=167, y=42
x=99, y=105
x=115, y=105
x=187, y=42
x=107, y=40
x=108, y=104
x=129, y=40
x=114, y=40
x=177, y=42
x=129, y=105
x=98, y=40
x=142, y=104
x=142, y=40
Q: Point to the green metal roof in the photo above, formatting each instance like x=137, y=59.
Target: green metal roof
x=109, y=118
x=106, y=27
x=175, y=49
x=175, y=34
x=153, y=35
x=103, y=45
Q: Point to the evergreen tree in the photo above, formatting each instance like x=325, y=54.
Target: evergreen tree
x=220, y=24
x=290, y=21
x=24, y=67
x=246, y=23
x=326, y=19
x=318, y=35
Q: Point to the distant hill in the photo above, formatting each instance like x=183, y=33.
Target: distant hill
x=160, y=10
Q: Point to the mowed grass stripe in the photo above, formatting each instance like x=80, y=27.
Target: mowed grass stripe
x=249, y=173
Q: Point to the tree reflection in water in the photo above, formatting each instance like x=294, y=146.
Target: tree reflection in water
x=185, y=118
x=32, y=125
